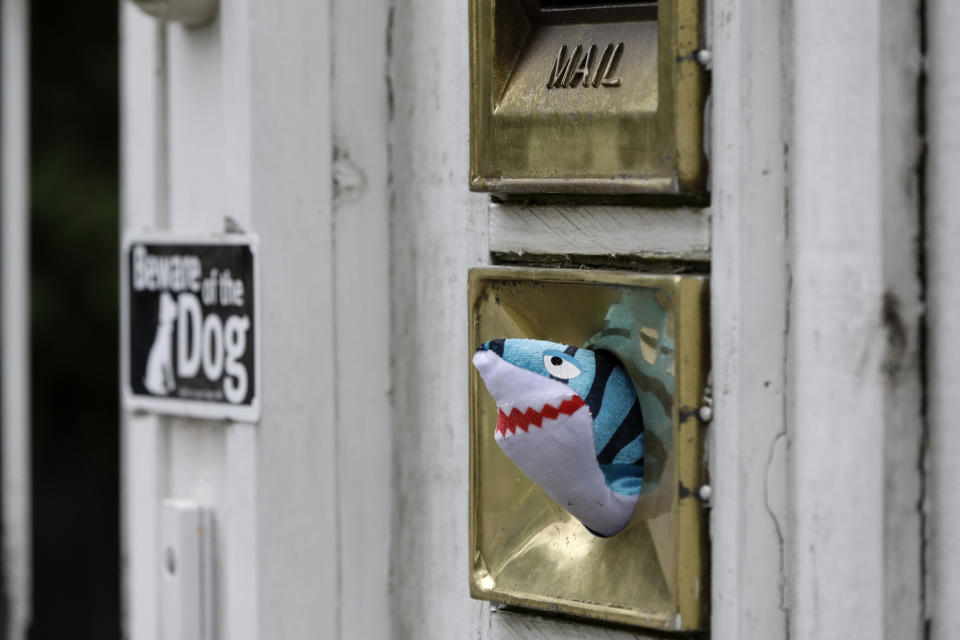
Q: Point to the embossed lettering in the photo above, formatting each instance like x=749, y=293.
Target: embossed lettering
x=586, y=68
x=608, y=79
x=561, y=68
x=582, y=72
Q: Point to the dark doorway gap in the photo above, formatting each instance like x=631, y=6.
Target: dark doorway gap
x=74, y=230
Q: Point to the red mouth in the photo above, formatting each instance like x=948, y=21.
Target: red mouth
x=517, y=420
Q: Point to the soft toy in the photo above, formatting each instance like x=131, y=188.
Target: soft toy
x=570, y=419
x=637, y=330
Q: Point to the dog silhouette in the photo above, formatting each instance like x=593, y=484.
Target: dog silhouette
x=158, y=378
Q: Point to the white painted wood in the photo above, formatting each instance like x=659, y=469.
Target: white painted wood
x=361, y=262
x=14, y=313
x=186, y=592
x=943, y=295
x=143, y=206
x=676, y=234
x=291, y=195
x=853, y=310
x=237, y=531
x=749, y=292
x=438, y=231
x=899, y=63
x=193, y=457
x=529, y=626
x=249, y=146
x=337, y=131
x=194, y=452
x=141, y=440
x=235, y=572
x=245, y=142
x=198, y=121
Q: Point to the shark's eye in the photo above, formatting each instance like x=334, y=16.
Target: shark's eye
x=560, y=365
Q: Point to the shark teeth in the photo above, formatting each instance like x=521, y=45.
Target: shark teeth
x=534, y=402
x=509, y=423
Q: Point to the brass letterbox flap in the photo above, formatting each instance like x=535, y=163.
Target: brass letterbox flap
x=599, y=100
x=525, y=550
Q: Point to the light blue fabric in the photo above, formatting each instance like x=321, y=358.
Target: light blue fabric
x=529, y=354
x=618, y=394
x=623, y=478
x=639, y=331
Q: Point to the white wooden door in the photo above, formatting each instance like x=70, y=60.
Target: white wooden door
x=337, y=131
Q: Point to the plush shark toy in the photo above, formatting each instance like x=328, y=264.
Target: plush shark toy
x=570, y=419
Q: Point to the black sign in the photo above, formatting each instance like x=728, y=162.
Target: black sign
x=190, y=327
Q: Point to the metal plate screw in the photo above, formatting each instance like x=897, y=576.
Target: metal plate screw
x=705, y=58
x=705, y=412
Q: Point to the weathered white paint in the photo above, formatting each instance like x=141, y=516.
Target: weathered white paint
x=337, y=131
x=361, y=260
x=321, y=478
x=15, y=313
x=290, y=207
x=186, y=591
x=855, y=544
x=674, y=234
x=530, y=626
x=235, y=537
x=200, y=115
x=140, y=494
x=749, y=293
x=438, y=231
x=143, y=206
x=899, y=61
x=243, y=137
x=943, y=295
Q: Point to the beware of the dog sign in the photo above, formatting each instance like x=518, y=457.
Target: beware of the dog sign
x=191, y=327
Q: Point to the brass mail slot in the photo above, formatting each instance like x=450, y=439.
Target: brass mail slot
x=526, y=550
x=549, y=4
x=581, y=100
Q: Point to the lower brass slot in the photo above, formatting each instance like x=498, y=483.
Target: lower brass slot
x=549, y=4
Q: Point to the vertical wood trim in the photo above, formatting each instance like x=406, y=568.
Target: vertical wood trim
x=438, y=231
x=243, y=137
x=943, y=295
x=836, y=344
x=143, y=205
x=361, y=257
x=235, y=541
x=855, y=423
x=141, y=491
x=749, y=298
x=238, y=538
x=211, y=163
x=899, y=64
x=287, y=86
x=15, y=309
